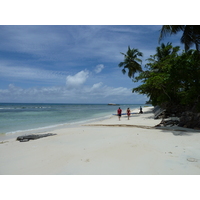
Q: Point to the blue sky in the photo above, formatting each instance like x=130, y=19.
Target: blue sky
x=71, y=64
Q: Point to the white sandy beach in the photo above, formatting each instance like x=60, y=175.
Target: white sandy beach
x=107, y=147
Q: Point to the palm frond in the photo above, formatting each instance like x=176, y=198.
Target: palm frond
x=123, y=71
x=169, y=30
x=121, y=64
x=131, y=62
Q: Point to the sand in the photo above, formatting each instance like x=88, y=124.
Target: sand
x=107, y=147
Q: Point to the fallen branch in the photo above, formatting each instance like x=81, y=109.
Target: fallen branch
x=168, y=123
x=26, y=138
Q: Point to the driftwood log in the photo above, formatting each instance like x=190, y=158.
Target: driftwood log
x=26, y=138
x=168, y=122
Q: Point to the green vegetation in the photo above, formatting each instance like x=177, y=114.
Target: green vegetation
x=171, y=78
x=191, y=34
x=131, y=62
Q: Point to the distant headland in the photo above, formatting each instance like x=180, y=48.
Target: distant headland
x=113, y=104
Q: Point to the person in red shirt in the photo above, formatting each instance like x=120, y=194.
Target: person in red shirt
x=119, y=112
x=128, y=113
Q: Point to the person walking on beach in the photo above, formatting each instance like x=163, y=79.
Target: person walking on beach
x=141, y=110
x=119, y=112
x=128, y=113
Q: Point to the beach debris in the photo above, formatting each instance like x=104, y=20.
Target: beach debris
x=159, y=112
x=173, y=121
x=2, y=142
x=187, y=117
x=192, y=159
x=26, y=138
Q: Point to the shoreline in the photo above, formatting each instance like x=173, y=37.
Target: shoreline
x=14, y=134
x=106, y=147
x=68, y=118
x=44, y=129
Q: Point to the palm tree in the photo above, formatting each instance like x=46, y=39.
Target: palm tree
x=131, y=62
x=163, y=52
x=191, y=34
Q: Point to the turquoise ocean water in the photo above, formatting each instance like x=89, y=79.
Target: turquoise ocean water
x=18, y=118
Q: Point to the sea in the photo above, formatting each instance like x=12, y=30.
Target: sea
x=27, y=118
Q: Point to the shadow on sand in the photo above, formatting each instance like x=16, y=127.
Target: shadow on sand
x=179, y=131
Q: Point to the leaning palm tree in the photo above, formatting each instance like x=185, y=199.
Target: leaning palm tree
x=131, y=62
x=191, y=34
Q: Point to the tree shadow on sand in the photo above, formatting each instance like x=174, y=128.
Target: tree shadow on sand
x=179, y=131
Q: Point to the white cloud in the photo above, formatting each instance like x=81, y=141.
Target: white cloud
x=99, y=68
x=97, y=85
x=97, y=93
x=75, y=91
x=92, y=90
x=119, y=91
x=77, y=80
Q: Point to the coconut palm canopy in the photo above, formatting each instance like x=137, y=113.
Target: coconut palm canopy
x=190, y=37
x=131, y=62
